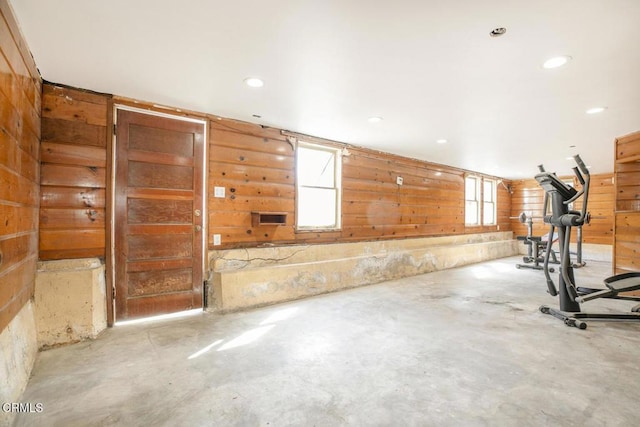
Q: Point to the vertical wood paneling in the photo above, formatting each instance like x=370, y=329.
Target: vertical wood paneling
x=20, y=88
x=257, y=168
x=73, y=173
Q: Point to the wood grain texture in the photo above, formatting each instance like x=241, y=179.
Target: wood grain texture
x=528, y=197
x=73, y=173
x=257, y=168
x=158, y=214
x=626, y=235
x=20, y=88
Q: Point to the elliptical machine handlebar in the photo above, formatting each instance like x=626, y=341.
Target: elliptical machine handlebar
x=581, y=164
x=564, y=221
x=584, y=192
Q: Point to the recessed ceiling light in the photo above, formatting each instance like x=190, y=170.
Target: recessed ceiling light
x=497, y=32
x=438, y=173
x=556, y=62
x=441, y=141
x=595, y=110
x=375, y=119
x=253, y=82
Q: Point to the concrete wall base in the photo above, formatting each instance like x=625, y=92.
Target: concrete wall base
x=18, y=349
x=243, y=278
x=70, y=300
x=590, y=251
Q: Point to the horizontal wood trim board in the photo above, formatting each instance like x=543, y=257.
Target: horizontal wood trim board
x=15, y=250
x=14, y=157
x=71, y=239
x=73, y=176
x=17, y=219
x=72, y=197
x=64, y=218
x=58, y=254
x=244, y=128
x=17, y=188
x=629, y=148
x=60, y=104
x=249, y=173
x=224, y=138
x=73, y=132
x=17, y=278
x=66, y=154
x=241, y=157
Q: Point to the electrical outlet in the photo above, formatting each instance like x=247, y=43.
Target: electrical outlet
x=399, y=180
x=218, y=192
x=217, y=240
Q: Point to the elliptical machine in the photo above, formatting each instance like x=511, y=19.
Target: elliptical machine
x=536, y=246
x=561, y=196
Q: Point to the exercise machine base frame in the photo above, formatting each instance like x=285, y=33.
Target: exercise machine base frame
x=574, y=318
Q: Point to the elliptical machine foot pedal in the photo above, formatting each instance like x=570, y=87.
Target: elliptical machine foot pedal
x=565, y=317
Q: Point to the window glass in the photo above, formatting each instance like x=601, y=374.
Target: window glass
x=318, y=187
x=471, y=195
x=489, y=205
x=317, y=167
x=317, y=207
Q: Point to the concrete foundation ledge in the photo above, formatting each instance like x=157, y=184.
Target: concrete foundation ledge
x=243, y=278
x=70, y=300
x=18, y=350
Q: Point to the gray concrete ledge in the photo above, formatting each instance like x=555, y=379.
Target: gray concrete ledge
x=70, y=300
x=243, y=278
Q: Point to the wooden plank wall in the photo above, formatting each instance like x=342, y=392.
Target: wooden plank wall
x=256, y=166
x=20, y=87
x=528, y=197
x=627, y=230
x=73, y=173
x=601, y=206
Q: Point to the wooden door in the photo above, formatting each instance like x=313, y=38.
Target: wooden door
x=158, y=214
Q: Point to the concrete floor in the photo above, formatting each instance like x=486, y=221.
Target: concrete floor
x=460, y=347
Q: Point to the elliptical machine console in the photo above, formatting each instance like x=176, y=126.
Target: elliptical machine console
x=563, y=219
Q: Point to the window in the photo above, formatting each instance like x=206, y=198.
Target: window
x=489, y=202
x=480, y=201
x=318, y=187
x=472, y=200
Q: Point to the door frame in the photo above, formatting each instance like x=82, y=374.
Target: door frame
x=110, y=258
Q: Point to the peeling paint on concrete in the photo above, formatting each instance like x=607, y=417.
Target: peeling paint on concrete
x=258, y=276
x=18, y=349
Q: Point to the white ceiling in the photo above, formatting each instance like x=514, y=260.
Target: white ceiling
x=428, y=67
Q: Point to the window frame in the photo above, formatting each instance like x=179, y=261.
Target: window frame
x=337, y=187
x=477, y=199
x=493, y=202
x=481, y=201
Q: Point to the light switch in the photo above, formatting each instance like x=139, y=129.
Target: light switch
x=218, y=192
x=217, y=240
